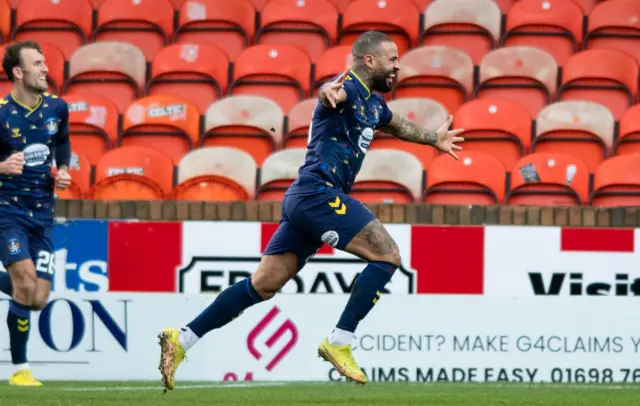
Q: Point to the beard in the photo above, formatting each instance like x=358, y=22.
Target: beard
x=381, y=82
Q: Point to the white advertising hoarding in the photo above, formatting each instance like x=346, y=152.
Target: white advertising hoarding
x=405, y=338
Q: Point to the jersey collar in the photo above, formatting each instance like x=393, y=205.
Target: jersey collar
x=27, y=110
x=362, y=88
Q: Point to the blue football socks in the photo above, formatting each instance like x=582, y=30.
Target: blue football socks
x=18, y=321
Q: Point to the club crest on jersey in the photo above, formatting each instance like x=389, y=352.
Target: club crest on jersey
x=52, y=125
x=14, y=247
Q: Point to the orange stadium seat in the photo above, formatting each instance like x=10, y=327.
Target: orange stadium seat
x=216, y=174
x=524, y=75
x=230, y=25
x=5, y=21
x=549, y=179
x=427, y=114
x=252, y=124
x=436, y=72
x=198, y=73
x=147, y=24
x=389, y=176
x=331, y=63
x=54, y=59
x=278, y=171
x=398, y=18
x=133, y=173
x=580, y=128
x=610, y=27
x=500, y=128
x=311, y=25
x=80, y=171
x=115, y=70
x=629, y=140
x=169, y=124
x=93, y=125
x=476, y=179
x=67, y=24
x=455, y=23
x=554, y=26
x=299, y=120
x=601, y=75
x=616, y=182
x=279, y=72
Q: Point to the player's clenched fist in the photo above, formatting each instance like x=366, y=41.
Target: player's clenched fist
x=13, y=165
x=63, y=179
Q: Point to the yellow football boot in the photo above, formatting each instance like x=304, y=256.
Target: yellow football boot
x=24, y=378
x=342, y=359
x=171, y=355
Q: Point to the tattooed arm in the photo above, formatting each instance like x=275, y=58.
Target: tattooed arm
x=442, y=139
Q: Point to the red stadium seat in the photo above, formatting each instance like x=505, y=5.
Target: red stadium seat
x=279, y=72
x=499, y=128
x=398, y=18
x=147, y=24
x=54, y=59
x=198, y=73
x=115, y=70
x=611, y=27
x=5, y=21
x=169, y=124
x=80, y=171
x=455, y=23
x=311, y=25
x=331, y=63
x=440, y=73
x=579, y=128
x=525, y=75
x=427, y=114
x=299, y=119
x=252, y=124
x=629, y=140
x=229, y=25
x=278, y=171
x=133, y=173
x=616, y=182
x=93, y=125
x=476, y=179
x=553, y=179
x=66, y=24
x=554, y=26
x=604, y=76
x=216, y=174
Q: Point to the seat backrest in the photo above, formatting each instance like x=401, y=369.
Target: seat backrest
x=333, y=61
x=426, y=113
x=80, y=170
x=227, y=162
x=300, y=115
x=622, y=170
x=401, y=14
x=282, y=165
x=558, y=13
x=389, y=165
x=93, y=111
x=603, y=64
x=577, y=115
x=520, y=61
x=207, y=60
x=482, y=13
x=283, y=60
x=630, y=122
x=321, y=13
x=246, y=111
x=5, y=20
x=436, y=60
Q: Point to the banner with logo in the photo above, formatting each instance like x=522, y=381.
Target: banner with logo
x=437, y=338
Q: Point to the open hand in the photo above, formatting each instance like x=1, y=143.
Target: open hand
x=447, y=139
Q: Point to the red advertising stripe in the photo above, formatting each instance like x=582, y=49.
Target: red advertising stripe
x=143, y=256
x=269, y=229
x=597, y=239
x=448, y=260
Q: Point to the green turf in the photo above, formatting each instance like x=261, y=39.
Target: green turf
x=207, y=393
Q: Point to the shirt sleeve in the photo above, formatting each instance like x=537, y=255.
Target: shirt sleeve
x=63, y=145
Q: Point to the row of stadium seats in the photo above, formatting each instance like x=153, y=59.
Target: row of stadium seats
x=560, y=27
x=202, y=74
x=230, y=174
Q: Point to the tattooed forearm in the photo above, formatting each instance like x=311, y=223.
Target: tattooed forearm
x=407, y=130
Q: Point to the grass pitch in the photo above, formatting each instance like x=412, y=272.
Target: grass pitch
x=281, y=393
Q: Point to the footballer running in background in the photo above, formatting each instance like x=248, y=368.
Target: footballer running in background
x=33, y=130
x=317, y=208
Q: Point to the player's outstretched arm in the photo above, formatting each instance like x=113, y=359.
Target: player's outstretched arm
x=331, y=93
x=442, y=139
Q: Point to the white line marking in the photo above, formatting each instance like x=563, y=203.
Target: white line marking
x=160, y=387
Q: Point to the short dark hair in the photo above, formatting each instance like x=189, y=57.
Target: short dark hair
x=369, y=42
x=12, y=55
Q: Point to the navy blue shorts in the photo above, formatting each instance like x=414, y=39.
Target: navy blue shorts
x=311, y=217
x=21, y=239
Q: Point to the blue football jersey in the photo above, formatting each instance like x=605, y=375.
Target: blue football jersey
x=339, y=138
x=35, y=132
